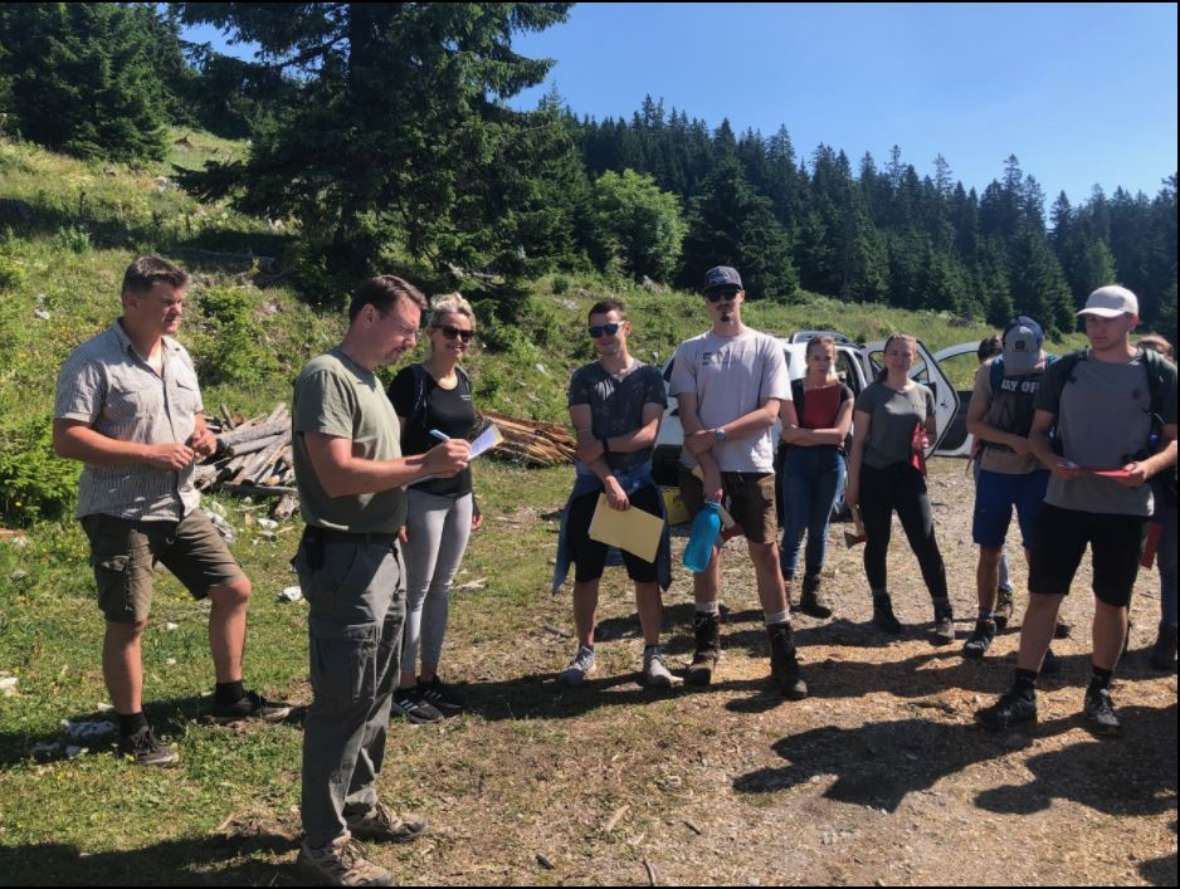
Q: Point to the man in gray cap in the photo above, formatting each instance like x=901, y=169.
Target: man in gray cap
x=1108, y=404
x=1000, y=415
x=732, y=383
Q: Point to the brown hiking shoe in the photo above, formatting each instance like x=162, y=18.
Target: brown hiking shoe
x=784, y=666
x=380, y=823
x=707, y=630
x=812, y=602
x=342, y=862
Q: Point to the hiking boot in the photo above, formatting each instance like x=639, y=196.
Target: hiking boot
x=1012, y=709
x=1051, y=665
x=784, y=666
x=1163, y=653
x=342, y=862
x=1100, y=716
x=408, y=703
x=579, y=668
x=441, y=696
x=944, y=623
x=883, y=618
x=812, y=602
x=980, y=639
x=251, y=705
x=1004, y=608
x=146, y=750
x=1062, y=630
x=380, y=823
x=707, y=630
x=655, y=670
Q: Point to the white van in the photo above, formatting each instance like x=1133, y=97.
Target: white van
x=856, y=366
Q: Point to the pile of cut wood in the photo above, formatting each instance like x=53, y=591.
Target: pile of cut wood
x=253, y=459
x=532, y=442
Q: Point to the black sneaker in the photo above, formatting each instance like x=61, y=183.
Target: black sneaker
x=784, y=665
x=813, y=602
x=980, y=639
x=251, y=705
x=1100, y=716
x=441, y=696
x=1012, y=709
x=146, y=750
x=707, y=630
x=408, y=704
x=883, y=618
x=1051, y=665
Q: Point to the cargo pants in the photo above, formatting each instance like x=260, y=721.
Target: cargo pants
x=356, y=592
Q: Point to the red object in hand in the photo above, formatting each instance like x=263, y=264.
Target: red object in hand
x=918, y=448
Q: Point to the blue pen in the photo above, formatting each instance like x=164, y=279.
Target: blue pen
x=439, y=435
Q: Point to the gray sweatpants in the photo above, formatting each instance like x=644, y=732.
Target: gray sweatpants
x=438, y=529
x=356, y=594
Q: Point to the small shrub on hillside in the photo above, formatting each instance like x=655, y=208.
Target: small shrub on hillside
x=35, y=484
x=239, y=353
x=561, y=284
x=75, y=240
x=11, y=274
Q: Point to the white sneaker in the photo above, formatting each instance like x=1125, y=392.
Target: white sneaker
x=655, y=670
x=580, y=667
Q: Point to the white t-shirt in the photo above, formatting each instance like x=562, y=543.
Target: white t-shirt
x=732, y=376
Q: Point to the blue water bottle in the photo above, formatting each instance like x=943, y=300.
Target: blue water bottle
x=705, y=528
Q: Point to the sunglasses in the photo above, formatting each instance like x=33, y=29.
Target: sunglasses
x=727, y=294
x=604, y=330
x=451, y=332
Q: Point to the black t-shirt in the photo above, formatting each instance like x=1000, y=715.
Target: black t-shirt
x=616, y=406
x=450, y=411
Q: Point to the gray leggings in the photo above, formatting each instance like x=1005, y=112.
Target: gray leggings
x=438, y=529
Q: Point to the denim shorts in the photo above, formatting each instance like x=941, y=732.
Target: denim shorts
x=996, y=493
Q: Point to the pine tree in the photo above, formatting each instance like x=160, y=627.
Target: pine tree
x=82, y=79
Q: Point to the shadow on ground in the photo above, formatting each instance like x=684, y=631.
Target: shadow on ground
x=880, y=763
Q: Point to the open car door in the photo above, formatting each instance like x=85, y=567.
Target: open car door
x=959, y=364
x=927, y=372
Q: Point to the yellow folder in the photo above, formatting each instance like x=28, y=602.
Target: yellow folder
x=633, y=529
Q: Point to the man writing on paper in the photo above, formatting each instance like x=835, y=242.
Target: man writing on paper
x=615, y=406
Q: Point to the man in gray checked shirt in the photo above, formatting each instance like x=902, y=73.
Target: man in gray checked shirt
x=129, y=407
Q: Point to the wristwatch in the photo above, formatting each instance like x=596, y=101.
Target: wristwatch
x=719, y=434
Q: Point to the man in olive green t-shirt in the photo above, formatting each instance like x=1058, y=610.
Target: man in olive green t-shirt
x=352, y=478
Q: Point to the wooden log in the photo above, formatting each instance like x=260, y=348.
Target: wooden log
x=249, y=490
x=265, y=465
x=286, y=507
x=262, y=430
x=257, y=444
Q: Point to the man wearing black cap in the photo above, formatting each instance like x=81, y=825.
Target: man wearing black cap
x=1000, y=416
x=731, y=383
x=1109, y=404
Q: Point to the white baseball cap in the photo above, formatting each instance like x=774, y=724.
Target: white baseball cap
x=1111, y=301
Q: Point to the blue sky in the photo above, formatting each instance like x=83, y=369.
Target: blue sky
x=1080, y=93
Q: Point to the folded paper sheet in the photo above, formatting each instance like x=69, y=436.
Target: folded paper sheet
x=634, y=530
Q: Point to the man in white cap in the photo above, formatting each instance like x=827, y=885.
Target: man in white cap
x=1107, y=404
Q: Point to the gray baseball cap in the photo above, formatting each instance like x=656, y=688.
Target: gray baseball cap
x=1023, y=339
x=722, y=276
x=1110, y=302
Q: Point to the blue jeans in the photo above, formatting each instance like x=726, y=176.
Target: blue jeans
x=812, y=482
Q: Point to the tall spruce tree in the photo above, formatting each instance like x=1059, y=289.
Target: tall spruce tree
x=402, y=118
x=83, y=78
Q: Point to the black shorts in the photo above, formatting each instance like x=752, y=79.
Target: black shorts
x=1116, y=545
x=590, y=555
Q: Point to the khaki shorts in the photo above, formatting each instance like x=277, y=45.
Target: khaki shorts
x=124, y=553
x=751, y=501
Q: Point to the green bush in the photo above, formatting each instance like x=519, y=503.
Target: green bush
x=75, y=240
x=35, y=484
x=11, y=274
x=238, y=352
